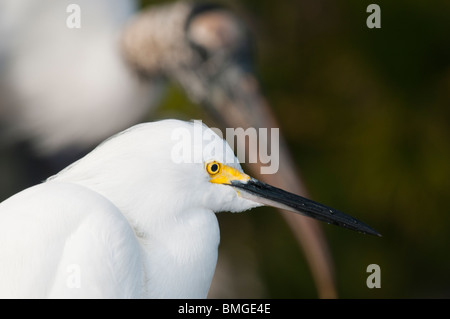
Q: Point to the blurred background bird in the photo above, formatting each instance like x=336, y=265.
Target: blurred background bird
x=363, y=111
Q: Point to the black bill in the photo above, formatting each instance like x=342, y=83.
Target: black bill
x=271, y=196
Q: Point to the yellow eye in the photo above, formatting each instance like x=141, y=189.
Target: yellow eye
x=213, y=167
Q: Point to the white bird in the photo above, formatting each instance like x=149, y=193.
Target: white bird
x=132, y=220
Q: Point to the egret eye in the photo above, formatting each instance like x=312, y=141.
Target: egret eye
x=213, y=167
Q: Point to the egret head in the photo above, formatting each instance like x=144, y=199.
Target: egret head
x=163, y=166
x=166, y=168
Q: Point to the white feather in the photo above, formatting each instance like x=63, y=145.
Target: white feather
x=131, y=220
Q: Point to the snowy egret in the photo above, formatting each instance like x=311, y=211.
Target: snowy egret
x=129, y=220
x=64, y=90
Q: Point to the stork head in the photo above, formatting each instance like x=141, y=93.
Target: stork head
x=205, y=48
